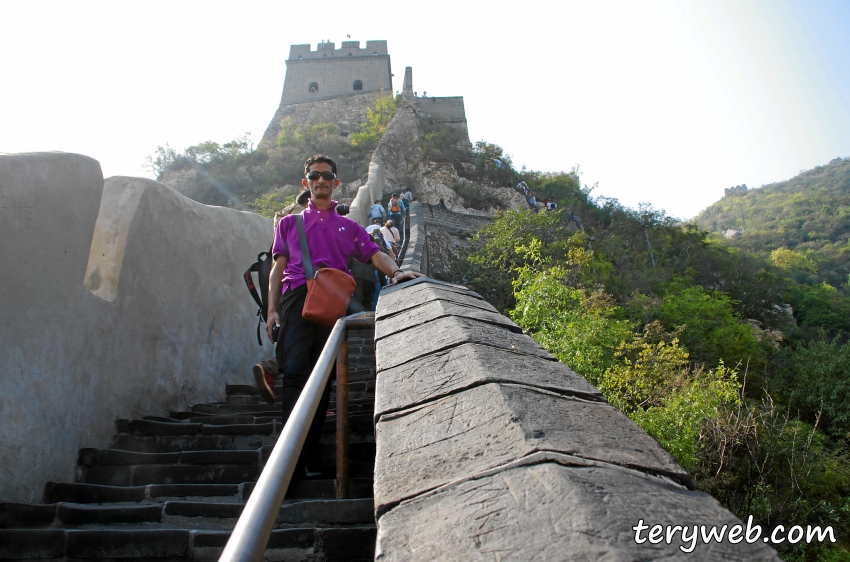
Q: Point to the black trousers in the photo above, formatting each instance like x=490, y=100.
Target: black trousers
x=297, y=352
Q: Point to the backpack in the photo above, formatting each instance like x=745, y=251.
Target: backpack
x=262, y=267
x=395, y=207
x=378, y=239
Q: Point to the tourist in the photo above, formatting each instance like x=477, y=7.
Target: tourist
x=396, y=208
x=332, y=240
x=377, y=211
x=376, y=225
x=392, y=236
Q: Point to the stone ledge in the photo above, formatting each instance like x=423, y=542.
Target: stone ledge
x=548, y=511
x=445, y=333
x=461, y=368
x=435, y=310
x=396, y=303
x=493, y=424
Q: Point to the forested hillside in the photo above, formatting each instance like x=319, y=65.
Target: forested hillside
x=734, y=361
x=808, y=215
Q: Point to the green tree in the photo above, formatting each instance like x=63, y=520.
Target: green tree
x=712, y=331
x=790, y=260
x=378, y=119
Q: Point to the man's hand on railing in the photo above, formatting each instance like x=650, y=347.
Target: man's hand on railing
x=400, y=276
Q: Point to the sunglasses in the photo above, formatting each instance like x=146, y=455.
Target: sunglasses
x=313, y=176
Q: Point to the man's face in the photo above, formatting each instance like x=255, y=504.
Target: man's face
x=320, y=188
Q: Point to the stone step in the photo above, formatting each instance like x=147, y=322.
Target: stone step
x=39, y=515
x=337, y=543
x=328, y=512
x=358, y=488
x=343, y=543
x=101, y=457
x=75, y=492
x=141, y=475
x=176, y=443
x=174, y=427
x=363, y=451
x=82, y=493
x=296, y=512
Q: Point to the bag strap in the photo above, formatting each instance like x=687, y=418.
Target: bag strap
x=305, y=250
x=250, y=282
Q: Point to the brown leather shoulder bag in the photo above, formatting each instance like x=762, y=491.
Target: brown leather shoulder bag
x=328, y=290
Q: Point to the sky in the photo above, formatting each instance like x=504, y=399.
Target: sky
x=656, y=101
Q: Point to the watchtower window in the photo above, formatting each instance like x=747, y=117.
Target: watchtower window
x=358, y=85
x=314, y=88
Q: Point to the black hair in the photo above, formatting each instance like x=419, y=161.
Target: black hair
x=319, y=158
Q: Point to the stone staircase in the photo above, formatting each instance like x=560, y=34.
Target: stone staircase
x=173, y=487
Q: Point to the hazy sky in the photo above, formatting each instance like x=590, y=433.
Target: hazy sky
x=657, y=101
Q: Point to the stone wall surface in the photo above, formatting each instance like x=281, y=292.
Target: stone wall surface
x=335, y=70
x=120, y=299
x=452, y=222
x=489, y=449
x=347, y=112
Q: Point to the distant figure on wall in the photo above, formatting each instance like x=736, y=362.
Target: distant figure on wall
x=442, y=205
x=396, y=208
x=377, y=211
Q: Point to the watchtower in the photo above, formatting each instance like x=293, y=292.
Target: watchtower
x=329, y=72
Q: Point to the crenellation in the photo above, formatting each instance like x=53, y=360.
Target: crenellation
x=329, y=72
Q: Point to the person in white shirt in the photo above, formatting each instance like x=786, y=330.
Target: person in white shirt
x=391, y=235
x=376, y=225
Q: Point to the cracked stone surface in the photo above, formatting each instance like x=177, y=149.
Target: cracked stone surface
x=493, y=424
x=553, y=512
x=447, y=372
x=395, y=349
x=415, y=317
x=428, y=281
x=405, y=298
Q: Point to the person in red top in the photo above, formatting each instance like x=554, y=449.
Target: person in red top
x=332, y=240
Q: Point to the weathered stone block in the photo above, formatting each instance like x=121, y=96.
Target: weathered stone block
x=487, y=426
x=450, y=332
x=394, y=300
x=553, y=512
x=467, y=365
x=76, y=514
x=416, y=317
x=427, y=281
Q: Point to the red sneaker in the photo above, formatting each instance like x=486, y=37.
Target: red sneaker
x=265, y=383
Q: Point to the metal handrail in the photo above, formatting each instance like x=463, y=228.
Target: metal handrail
x=254, y=527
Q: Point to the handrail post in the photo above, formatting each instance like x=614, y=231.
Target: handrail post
x=342, y=419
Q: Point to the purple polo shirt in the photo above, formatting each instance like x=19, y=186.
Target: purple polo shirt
x=332, y=239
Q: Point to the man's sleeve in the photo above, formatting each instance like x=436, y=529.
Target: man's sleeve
x=280, y=247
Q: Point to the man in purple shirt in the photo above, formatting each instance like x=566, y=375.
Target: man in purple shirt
x=332, y=240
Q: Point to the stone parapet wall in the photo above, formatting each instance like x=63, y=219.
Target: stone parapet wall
x=488, y=448
x=442, y=109
x=451, y=222
x=416, y=256
x=120, y=299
